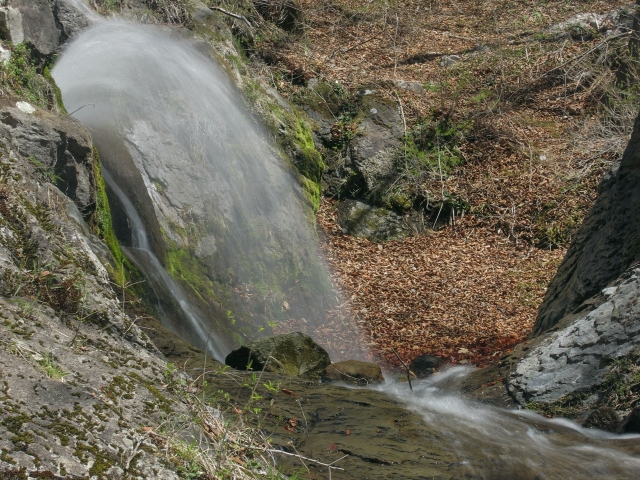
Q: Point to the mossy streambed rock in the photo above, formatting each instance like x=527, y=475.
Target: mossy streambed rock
x=353, y=372
x=293, y=354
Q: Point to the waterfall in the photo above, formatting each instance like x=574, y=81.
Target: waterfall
x=207, y=185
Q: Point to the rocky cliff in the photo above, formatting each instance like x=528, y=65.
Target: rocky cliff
x=586, y=343
x=606, y=245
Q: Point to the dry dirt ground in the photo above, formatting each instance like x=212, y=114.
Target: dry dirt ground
x=543, y=119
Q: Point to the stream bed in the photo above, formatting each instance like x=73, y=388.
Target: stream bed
x=431, y=433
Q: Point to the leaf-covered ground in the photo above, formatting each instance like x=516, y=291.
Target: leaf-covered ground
x=543, y=120
x=465, y=293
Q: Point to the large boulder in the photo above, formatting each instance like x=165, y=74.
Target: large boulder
x=294, y=354
x=11, y=25
x=576, y=357
x=38, y=24
x=590, y=318
x=374, y=147
x=61, y=149
x=69, y=20
x=353, y=372
x=605, y=246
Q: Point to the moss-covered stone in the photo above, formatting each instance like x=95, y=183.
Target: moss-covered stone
x=294, y=354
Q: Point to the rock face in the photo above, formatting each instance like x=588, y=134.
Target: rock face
x=11, y=25
x=293, y=354
x=590, y=313
x=605, y=246
x=77, y=375
x=353, y=372
x=575, y=357
x=59, y=146
x=38, y=24
x=69, y=20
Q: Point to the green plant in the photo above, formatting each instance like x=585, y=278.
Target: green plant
x=48, y=173
x=21, y=77
x=51, y=367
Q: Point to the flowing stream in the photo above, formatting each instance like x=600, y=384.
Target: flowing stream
x=178, y=146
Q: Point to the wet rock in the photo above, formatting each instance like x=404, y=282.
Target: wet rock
x=603, y=418
x=631, y=423
x=59, y=146
x=38, y=24
x=425, y=365
x=353, y=372
x=293, y=354
x=378, y=224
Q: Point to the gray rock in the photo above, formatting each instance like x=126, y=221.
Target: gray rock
x=373, y=150
x=38, y=24
x=294, y=354
x=415, y=87
x=449, y=60
x=58, y=145
x=379, y=224
x=575, y=358
x=11, y=25
x=425, y=365
x=606, y=244
x=603, y=418
x=583, y=25
x=353, y=372
x=69, y=20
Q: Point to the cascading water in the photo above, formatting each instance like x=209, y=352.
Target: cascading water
x=210, y=190
x=165, y=117
x=141, y=254
x=493, y=443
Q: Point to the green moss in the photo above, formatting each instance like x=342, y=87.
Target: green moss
x=307, y=159
x=56, y=90
x=311, y=190
x=102, y=226
x=101, y=461
x=161, y=403
x=182, y=265
x=568, y=406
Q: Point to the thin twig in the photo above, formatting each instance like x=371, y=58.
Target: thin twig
x=317, y=462
x=234, y=15
x=405, y=366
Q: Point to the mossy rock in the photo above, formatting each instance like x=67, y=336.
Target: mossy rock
x=294, y=354
x=353, y=372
